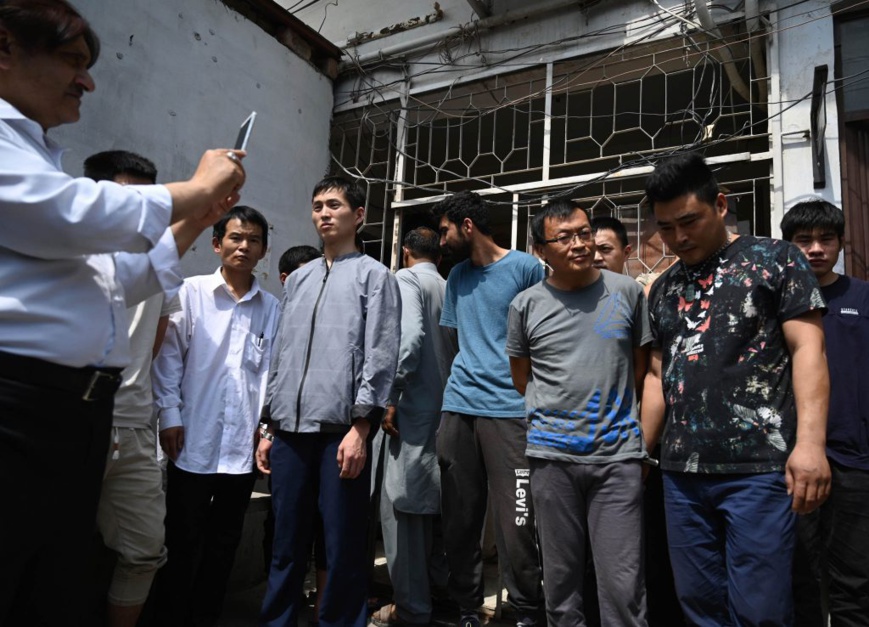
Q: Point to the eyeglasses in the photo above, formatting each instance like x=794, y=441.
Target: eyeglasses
x=566, y=239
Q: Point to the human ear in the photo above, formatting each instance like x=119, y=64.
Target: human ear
x=6, y=44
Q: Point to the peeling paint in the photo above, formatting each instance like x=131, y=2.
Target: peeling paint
x=414, y=22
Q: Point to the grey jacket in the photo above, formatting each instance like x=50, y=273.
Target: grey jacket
x=336, y=350
x=412, y=478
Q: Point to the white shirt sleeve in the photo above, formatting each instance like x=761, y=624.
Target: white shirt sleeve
x=167, y=370
x=144, y=274
x=51, y=215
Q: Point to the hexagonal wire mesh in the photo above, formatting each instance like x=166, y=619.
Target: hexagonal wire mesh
x=586, y=133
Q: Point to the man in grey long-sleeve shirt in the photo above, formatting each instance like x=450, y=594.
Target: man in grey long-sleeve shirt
x=411, y=482
x=333, y=365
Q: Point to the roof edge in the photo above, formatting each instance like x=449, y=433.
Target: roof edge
x=291, y=32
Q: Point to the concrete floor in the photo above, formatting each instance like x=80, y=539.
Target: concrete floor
x=242, y=605
x=247, y=585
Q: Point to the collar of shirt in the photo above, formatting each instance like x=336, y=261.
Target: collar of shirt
x=216, y=281
x=426, y=266
x=32, y=130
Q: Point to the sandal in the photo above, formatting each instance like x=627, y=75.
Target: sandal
x=387, y=616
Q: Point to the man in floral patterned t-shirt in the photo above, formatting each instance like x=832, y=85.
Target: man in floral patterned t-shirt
x=738, y=384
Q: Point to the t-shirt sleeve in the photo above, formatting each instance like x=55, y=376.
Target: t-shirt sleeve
x=535, y=272
x=641, y=326
x=651, y=317
x=448, y=313
x=170, y=306
x=798, y=288
x=517, y=338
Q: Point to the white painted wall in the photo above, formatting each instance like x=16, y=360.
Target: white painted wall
x=175, y=78
x=804, y=40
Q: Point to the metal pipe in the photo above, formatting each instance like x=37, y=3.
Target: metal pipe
x=536, y=186
x=758, y=60
x=414, y=45
x=708, y=24
x=480, y=8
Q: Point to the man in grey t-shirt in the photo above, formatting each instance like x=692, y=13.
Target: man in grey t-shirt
x=578, y=345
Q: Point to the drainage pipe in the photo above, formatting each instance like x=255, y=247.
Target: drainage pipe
x=706, y=21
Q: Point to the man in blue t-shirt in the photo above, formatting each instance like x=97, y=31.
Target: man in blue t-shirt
x=833, y=543
x=481, y=440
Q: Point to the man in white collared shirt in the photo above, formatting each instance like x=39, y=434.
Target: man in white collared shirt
x=209, y=383
x=63, y=328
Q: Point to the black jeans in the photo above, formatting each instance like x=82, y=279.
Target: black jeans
x=204, y=521
x=831, y=565
x=53, y=448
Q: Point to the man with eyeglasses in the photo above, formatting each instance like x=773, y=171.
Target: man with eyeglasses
x=578, y=345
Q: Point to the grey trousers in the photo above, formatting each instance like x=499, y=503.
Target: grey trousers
x=481, y=457
x=415, y=560
x=605, y=503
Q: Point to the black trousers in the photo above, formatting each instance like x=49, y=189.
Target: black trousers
x=482, y=457
x=53, y=448
x=831, y=561
x=204, y=521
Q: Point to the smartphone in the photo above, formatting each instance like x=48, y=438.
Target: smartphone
x=244, y=132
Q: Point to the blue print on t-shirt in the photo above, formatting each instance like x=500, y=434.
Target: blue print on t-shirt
x=592, y=430
x=614, y=319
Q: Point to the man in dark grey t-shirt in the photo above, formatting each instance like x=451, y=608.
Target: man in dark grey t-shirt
x=578, y=347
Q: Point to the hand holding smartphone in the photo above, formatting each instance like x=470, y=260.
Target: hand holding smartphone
x=244, y=132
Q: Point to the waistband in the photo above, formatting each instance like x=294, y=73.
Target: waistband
x=89, y=383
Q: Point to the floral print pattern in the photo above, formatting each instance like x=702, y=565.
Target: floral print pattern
x=726, y=369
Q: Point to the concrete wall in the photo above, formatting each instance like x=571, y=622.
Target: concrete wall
x=804, y=40
x=558, y=30
x=175, y=78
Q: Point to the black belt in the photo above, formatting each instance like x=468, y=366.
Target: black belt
x=89, y=383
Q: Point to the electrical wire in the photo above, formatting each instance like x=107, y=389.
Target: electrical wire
x=531, y=199
x=564, y=85
x=310, y=4
x=539, y=46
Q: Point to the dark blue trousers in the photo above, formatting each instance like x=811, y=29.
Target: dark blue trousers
x=731, y=544
x=304, y=480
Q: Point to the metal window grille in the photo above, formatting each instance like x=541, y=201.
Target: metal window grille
x=588, y=128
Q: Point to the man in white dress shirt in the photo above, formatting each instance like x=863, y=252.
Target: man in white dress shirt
x=63, y=329
x=209, y=382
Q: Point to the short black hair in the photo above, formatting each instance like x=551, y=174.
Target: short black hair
x=352, y=191
x=45, y=25
x=423, y=243
x=105, y=166
x=610, y=223
x=683, y=174
x=812, y=214
x=464, y=205
x=295, y=256
x=560, y=209
x=243, y=214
